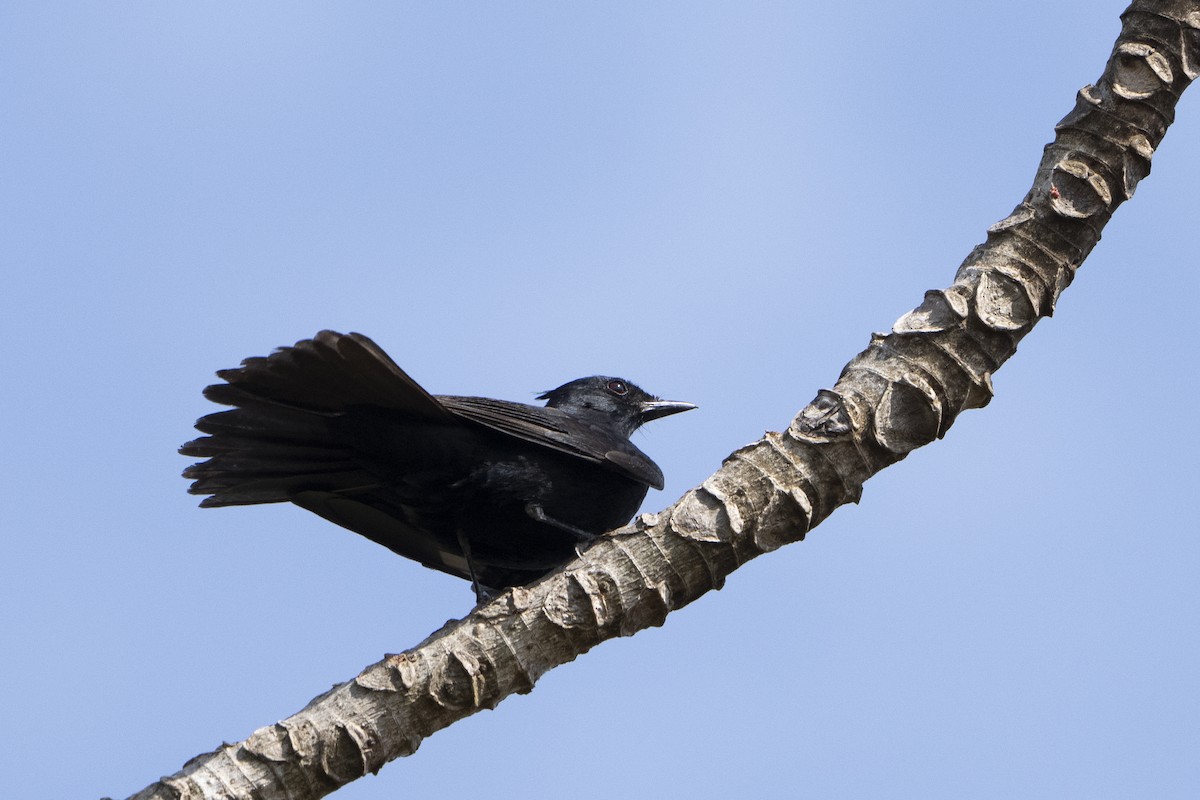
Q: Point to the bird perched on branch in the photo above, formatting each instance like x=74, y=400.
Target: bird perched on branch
x=496, y=492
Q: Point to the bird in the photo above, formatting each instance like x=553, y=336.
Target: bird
x=495, y=492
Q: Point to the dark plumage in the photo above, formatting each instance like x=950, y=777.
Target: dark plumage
x=496, y=492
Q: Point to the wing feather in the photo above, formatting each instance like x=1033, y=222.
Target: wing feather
x=557, y=430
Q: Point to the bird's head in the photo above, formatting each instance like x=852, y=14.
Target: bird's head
x=623, y=402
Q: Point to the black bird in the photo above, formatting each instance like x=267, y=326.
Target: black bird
x=495, y=492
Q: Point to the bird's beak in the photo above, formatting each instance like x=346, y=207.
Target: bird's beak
x=654, y=409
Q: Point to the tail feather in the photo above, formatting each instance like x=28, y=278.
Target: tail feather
x=278, y=439
x=264, y=420
x=225, y=467
x=247, y=492
x=216, y=446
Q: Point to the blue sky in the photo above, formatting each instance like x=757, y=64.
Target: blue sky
x=718, y=201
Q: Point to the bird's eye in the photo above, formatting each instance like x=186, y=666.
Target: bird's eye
x=618, y=388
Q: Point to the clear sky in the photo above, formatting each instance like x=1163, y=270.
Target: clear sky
x=720, y=201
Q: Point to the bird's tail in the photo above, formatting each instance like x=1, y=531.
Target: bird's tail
x=279, y=438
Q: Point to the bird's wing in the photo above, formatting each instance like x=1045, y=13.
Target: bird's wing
x=379, y=515
x=277, y=438
x=557, y=430
x=637, y=465
x=329, y=372
x=374, y=515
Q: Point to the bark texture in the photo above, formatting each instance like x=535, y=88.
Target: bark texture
x=903, y=391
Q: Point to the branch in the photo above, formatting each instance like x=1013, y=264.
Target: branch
x=902, y=392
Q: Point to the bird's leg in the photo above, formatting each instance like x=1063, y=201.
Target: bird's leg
x=482, y=593
x=536, y=511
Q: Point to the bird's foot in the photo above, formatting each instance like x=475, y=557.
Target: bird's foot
x=483, y=594
x=537, y=512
